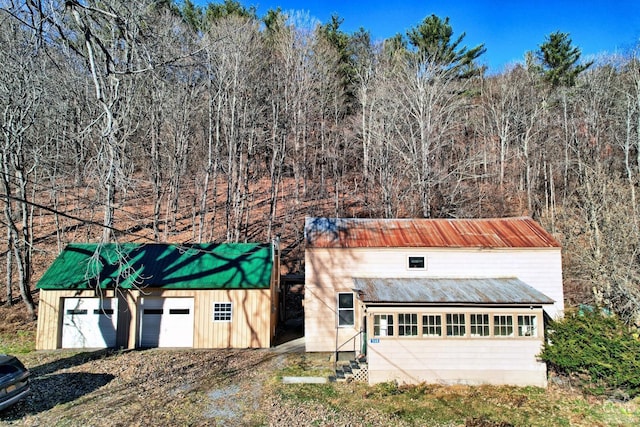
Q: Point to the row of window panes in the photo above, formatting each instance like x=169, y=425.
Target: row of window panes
x=455, y=325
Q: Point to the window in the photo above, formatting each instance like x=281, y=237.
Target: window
x=383, y=325
x=455, y=325
x=407, y=324
x=345, y=309
x=503, y=326
x=479, y=325
x=416, y=263
x=222, y=311
x=432, y=325
x=527, y=326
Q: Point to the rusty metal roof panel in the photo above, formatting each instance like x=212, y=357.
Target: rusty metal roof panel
x=521, y=232
x=489, y=291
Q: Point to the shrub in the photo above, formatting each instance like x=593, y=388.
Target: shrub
x=597, y=348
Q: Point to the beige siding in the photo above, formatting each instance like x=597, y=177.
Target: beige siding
x=328, y=271
x=251, y=325
x=321, y=330
x=128, y=320
x=49, y=321
x=449, y=361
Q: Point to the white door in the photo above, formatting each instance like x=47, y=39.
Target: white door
x=89, y=322
x=166, y=322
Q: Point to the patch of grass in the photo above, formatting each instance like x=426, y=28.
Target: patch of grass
x=435, y=405
x=20, y=342
x=306, y=365
x=326, y=394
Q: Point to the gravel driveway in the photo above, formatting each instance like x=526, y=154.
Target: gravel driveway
x=149, y=387
x=165, y=387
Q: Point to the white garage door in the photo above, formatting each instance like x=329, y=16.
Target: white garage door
x=89, y=322
x=166, y=322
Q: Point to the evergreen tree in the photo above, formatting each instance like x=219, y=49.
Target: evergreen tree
x=192, y=15
x=274, y=21
x=434, y=42
x=340, y=41
x=217, y=11
x=557, y=60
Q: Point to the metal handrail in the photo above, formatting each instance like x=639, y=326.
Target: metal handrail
x=338, y=347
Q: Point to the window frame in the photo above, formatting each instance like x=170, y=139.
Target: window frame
x=416, y=257
x=339, y=310
x=432, y=323
x=460, y=325
x=479, y=322
x=408, y=321
x=222, y=312
x=390, y=326
x=500, y=326
x=436, y=326
x=533, y=325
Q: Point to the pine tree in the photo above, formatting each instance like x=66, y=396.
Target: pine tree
x=192, y=15
x=558, y=60
x=433, y=40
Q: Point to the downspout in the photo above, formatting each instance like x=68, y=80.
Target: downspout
x=276, y=304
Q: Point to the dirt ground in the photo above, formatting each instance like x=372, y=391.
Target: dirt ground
x=149, y=387
x=168, y=387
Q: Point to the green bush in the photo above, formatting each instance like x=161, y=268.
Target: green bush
x=597, y=348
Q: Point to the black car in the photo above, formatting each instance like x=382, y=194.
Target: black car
x=14, y=381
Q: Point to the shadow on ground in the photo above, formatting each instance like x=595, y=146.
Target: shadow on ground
x=55, y=389
x=50, y=387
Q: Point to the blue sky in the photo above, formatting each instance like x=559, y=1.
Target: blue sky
x=507, y=28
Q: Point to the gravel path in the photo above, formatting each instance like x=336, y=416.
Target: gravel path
x=166, y=387
x=151, y=387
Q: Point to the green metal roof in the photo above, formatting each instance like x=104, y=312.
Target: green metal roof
x=131, y=265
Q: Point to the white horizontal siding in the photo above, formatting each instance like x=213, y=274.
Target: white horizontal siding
x=328, y=271
x=457, y=361
x=320, y=331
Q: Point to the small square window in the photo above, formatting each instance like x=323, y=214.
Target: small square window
x=416, y=263
x=222, y=311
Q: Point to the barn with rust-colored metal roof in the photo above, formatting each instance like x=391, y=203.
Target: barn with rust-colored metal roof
x=433, y=300
x=522, y=232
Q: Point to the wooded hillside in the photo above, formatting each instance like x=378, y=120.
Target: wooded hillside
x=149, y=121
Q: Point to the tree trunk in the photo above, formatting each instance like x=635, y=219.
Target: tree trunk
x=9, y=255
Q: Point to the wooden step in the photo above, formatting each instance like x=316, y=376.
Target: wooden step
x=351, y=371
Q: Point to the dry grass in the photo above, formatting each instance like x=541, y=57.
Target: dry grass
x=17, y=330
x=243, y=388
